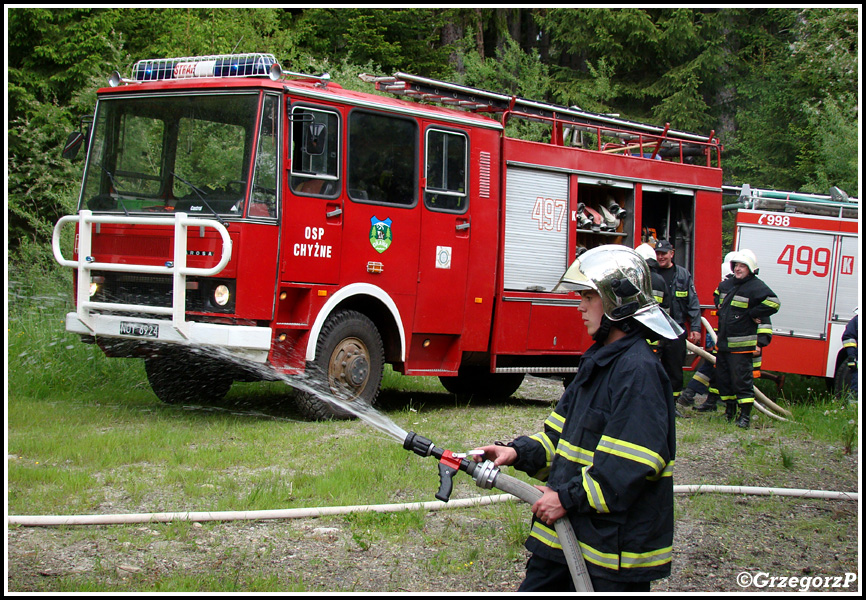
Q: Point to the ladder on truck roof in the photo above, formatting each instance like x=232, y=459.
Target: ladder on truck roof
x=477, y=100
x=836, y=204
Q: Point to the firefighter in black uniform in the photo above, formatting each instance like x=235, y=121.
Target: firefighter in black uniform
x=607, y=450
x=685, y=308
x=744, y=302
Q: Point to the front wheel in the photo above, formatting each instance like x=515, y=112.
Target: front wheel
x=183, y=379
x=347, y=371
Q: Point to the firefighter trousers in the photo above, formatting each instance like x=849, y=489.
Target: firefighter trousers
x=672, y=353
x=734, y=377
x=544, y=575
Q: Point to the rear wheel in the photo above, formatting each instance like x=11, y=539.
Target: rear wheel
x=347, y=371
x=184, y=379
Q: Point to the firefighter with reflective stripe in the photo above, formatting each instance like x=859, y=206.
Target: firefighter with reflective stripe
x=703, y=381
x=849, y=343
x=744, y=303
x=607, y=450
x=685, y=309
x=659, y=289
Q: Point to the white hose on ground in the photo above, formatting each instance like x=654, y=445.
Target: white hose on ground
x=760, y=397
x=302, y=513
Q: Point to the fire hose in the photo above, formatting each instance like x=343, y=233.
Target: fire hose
x=486, y=476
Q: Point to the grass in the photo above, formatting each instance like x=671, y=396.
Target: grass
x=86, y=435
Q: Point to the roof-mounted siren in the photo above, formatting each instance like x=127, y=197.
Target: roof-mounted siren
x=116, y=79
x=838, y=195
x=276, y=73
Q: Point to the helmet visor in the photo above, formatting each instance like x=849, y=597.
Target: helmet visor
x=574, y=280
x=654, y=318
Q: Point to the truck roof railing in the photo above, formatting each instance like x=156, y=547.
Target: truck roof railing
x=478, y=100
x=836, y=203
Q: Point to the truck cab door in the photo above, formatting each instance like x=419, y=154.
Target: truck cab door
x=445, y=233
x=312, y=225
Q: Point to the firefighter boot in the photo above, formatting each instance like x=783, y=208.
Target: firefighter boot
x=709, y=404
x=744, y=418
x=687, y=397
x=730, y=410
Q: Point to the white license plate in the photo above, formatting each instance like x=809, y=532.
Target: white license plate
x=139, y=329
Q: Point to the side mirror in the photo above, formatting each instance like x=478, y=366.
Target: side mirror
x=73, y=144
x=316, y=135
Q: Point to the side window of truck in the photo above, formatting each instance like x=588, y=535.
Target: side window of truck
x=264, y=195
x=315, y=152
x=383, y=159
x=445, y=188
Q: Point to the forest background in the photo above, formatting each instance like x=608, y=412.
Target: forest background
x=778, y=86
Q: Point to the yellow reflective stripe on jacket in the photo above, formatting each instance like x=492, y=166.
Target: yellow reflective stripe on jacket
x=682, y=294
x=740, y=302
x=631, y=452
x=545, y=535
x=743, y=341
x=548, y=537
x=555, y=422
x=668, y=471
x=772, y=302
x=545, y=442
x=653, y=558
x=602, y=559
x=593, y=493
x=574, y=453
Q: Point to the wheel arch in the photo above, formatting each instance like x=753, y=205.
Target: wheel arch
x=377, y=305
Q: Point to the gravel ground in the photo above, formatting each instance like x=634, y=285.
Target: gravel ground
x=720, y=544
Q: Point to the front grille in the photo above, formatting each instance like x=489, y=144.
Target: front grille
x=157, y=290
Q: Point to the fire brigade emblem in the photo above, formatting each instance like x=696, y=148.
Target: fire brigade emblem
x=380, y=234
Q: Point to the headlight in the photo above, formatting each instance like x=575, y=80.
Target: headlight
x=221, y=295
x=95, y=283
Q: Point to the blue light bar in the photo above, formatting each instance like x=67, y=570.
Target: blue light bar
x=227, y=65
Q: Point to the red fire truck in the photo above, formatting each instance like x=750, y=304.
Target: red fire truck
x=233, y=213
x=808, y=252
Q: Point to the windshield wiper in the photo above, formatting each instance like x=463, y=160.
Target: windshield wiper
x=200, y=196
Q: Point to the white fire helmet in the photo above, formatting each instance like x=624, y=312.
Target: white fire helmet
x=622, y=279
x=746, y=257
x=726, y=265
x=646, y=251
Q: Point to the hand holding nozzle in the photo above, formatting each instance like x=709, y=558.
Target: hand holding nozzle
x=500, y=455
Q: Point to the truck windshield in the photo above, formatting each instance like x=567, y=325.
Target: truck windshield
x=171, y=154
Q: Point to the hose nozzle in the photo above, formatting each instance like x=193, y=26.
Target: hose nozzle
x=418, y=444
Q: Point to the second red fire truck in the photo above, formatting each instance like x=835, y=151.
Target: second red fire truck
x=234, y=215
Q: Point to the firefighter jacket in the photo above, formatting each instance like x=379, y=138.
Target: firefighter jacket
x=608, y=450
x=740, y=302
x=684, y=304
x=849, y=340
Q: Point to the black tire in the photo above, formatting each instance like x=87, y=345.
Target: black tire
x=350, y=361
x=842, y=381
x=183, y=379
x=480, y=383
